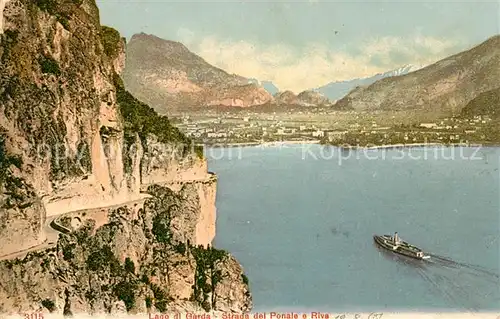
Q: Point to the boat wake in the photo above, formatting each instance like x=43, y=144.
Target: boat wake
x=464, y=286
x=475, y=270
x=453, y=292
x=459, y=282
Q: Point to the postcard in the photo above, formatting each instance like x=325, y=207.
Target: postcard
x=249, y=159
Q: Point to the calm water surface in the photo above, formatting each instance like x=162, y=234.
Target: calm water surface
x=301, y=218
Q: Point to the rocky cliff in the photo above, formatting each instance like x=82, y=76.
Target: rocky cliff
x=168, y=76
x=138, y=262
x=444, y=87
x=73, y=139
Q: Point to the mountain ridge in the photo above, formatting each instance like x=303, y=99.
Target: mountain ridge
x=445, y=86
x=338, y=89
x=168, y=76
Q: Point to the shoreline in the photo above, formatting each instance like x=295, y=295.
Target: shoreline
x=265, y=144
x=347, y=147
x=412, y=145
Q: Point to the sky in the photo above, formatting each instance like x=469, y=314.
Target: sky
x=305, y=44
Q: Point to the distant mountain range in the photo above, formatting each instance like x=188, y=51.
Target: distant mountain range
x=304, y=98
x=337, y=90
x=168, y=76
x=468, y=78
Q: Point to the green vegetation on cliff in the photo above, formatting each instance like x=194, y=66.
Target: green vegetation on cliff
x=49, y=65
x=160, y=298
x=110, y=39
x=206, y=266
x=127, y=287
x=103, y=258
x=125, y=291
x=129, y=265
x=18, y=193
x=6, y=160
x=487, y=103
x=244, y=278
x=139, y=117
x=49, y=304
x=142, y=119
x=61, y=12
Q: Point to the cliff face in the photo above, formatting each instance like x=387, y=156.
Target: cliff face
x=168, y=76
x=165, y=165
x=72, y=139
x=55, y=95
x=443, y=87
x=139, y=262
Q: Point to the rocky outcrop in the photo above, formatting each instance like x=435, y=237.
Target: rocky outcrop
x=444, y=87
x=73, y=140
x=168, y=76
x=306, y=98
x=166, y=162
x=285, y=98
x=312, y=98
x=202, y=202
x=137, y=263
x=167, y=165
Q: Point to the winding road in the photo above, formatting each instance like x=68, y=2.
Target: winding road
x=52, y=234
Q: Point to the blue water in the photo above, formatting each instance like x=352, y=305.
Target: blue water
x=300, y=219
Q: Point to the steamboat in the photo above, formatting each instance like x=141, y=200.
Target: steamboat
x=398, y=246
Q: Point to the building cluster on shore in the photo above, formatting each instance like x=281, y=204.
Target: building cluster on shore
x=245, y=129
x=248, y=127
x=446, y=131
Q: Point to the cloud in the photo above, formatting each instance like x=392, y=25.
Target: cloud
x=316, y=64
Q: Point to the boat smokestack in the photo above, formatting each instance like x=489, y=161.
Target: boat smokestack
x=396, y=238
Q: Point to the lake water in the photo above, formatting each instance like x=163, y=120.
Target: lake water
x=300, y=219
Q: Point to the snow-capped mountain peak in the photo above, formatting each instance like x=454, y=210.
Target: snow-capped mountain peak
x=337, y=90
x=404, y=70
